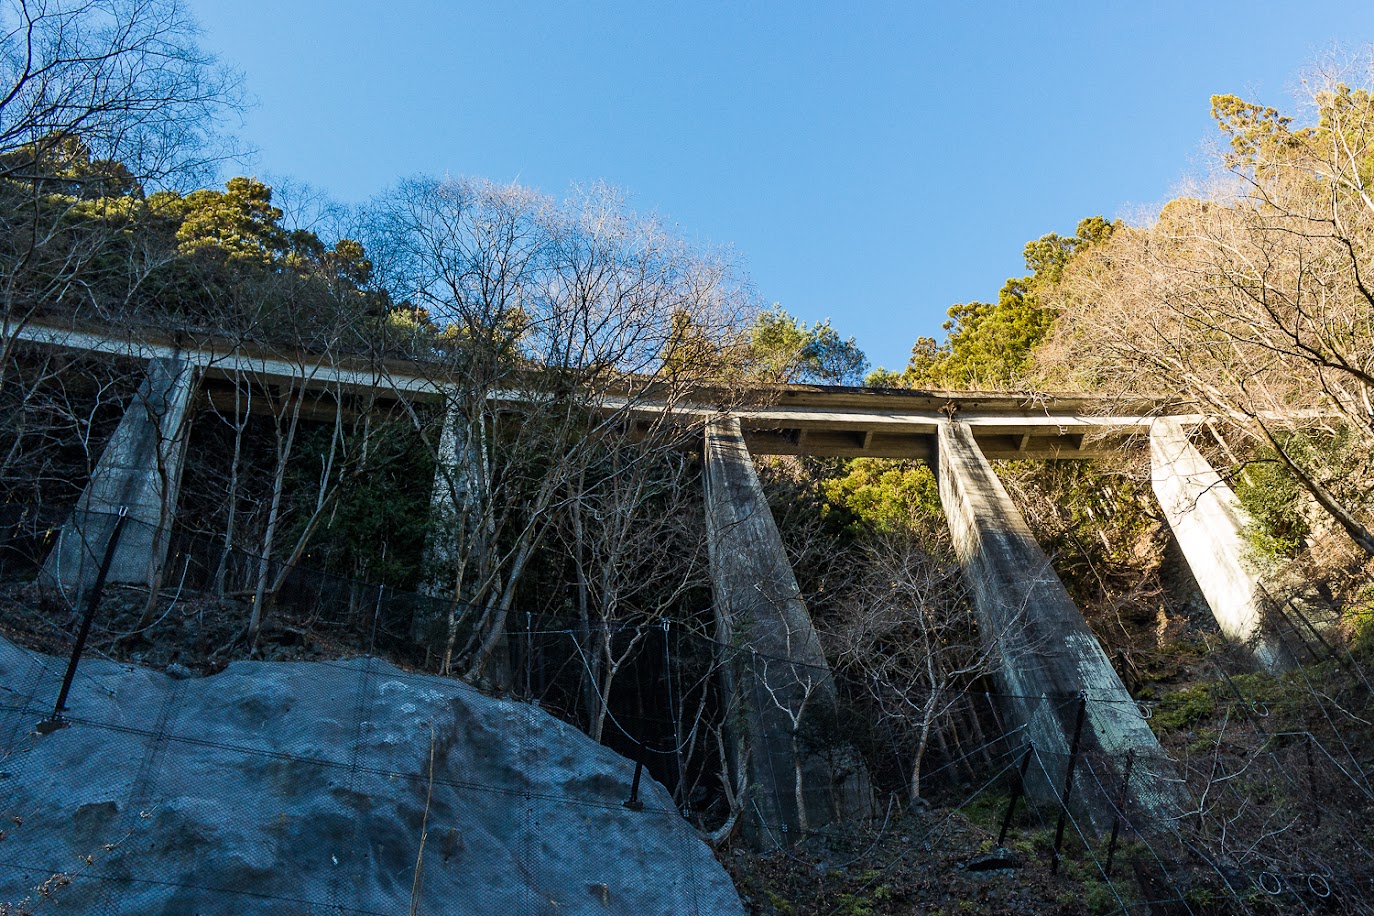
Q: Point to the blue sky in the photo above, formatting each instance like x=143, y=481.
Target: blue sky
x=869, y=162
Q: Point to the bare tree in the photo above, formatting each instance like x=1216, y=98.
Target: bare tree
x=790, y=687
x=1253, y=296
x=125, y=77
x=555, y=328
x=636, y=539
x=907, y=633
x=98, y=100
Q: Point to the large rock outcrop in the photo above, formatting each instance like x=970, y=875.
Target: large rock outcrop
x=279, y=787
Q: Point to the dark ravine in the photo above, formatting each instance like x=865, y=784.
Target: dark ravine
x=305, y=787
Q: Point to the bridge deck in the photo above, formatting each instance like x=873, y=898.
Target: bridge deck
x=781, y=420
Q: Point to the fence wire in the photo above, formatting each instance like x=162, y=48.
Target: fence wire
x=365, y=785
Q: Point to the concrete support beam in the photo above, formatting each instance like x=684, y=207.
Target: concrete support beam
x=780, y=684
x=1047, y=656
x=140, y=468
x=1207, y=521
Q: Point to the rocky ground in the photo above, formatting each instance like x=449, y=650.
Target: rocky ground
x=933, y=862
x=940, y=859
x=190, y=633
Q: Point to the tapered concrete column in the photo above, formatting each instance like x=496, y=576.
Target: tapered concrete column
x=1046, y=654
x=1207, y=521
x=460, y=483
x=140, y=468
x=780, y=679
x=461, y=533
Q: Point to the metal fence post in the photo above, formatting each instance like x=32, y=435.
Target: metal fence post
x=54, y=722
x=1017, y=790
x=1120, y=807
x=1068, y=783
x=1312, y=784
x=633, y=802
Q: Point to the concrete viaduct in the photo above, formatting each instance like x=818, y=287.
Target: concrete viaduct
x=1048, y=658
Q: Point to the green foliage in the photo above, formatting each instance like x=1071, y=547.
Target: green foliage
x=495, y=339
x=864, y=904
x=1098, y=524
x=1096, y=503
x=92, y=245
x=1279, y=506
x=72, y=236
x=231, y=265
x=62, y=164
x=884, y=378
x=779, y=903
x=1286, y=699
x=238, y=224
x=784, y=349
x=884, y=496
x=1170, y=660
x=1357, y=620
x=1262, y=139
x=1271, y=496
x=1183, y=708
x=987, y=809
x=1093, y=893
x=1342, y=109
x=240, y=227
x=689, y=349
x=1252, y=129
x=990, y=345
x=376, y=529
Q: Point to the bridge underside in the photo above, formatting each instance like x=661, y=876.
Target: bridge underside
x=920, y=446
x=887, y=423
x=767, y=430
x=778, y=420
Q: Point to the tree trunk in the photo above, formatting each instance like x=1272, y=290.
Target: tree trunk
x=1361, y=535
x=284, y=448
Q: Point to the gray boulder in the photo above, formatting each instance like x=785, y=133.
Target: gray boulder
x=307, y=787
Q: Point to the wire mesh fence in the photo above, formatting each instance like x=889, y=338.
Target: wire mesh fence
x=366, y=785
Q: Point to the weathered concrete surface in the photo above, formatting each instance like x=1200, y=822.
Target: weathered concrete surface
x=461, y=530
x=460, y=487
x=780, y=676
x=1207, y=521
x=799, y=419
x=302, y=788
x=141, y=469
x=1047, y=655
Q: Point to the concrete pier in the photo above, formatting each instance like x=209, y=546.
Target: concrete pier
x=460, y=486
x=780, y=682
x=1207, y=521
x=1047, y=657
x=461, y=534
x=140, y=468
